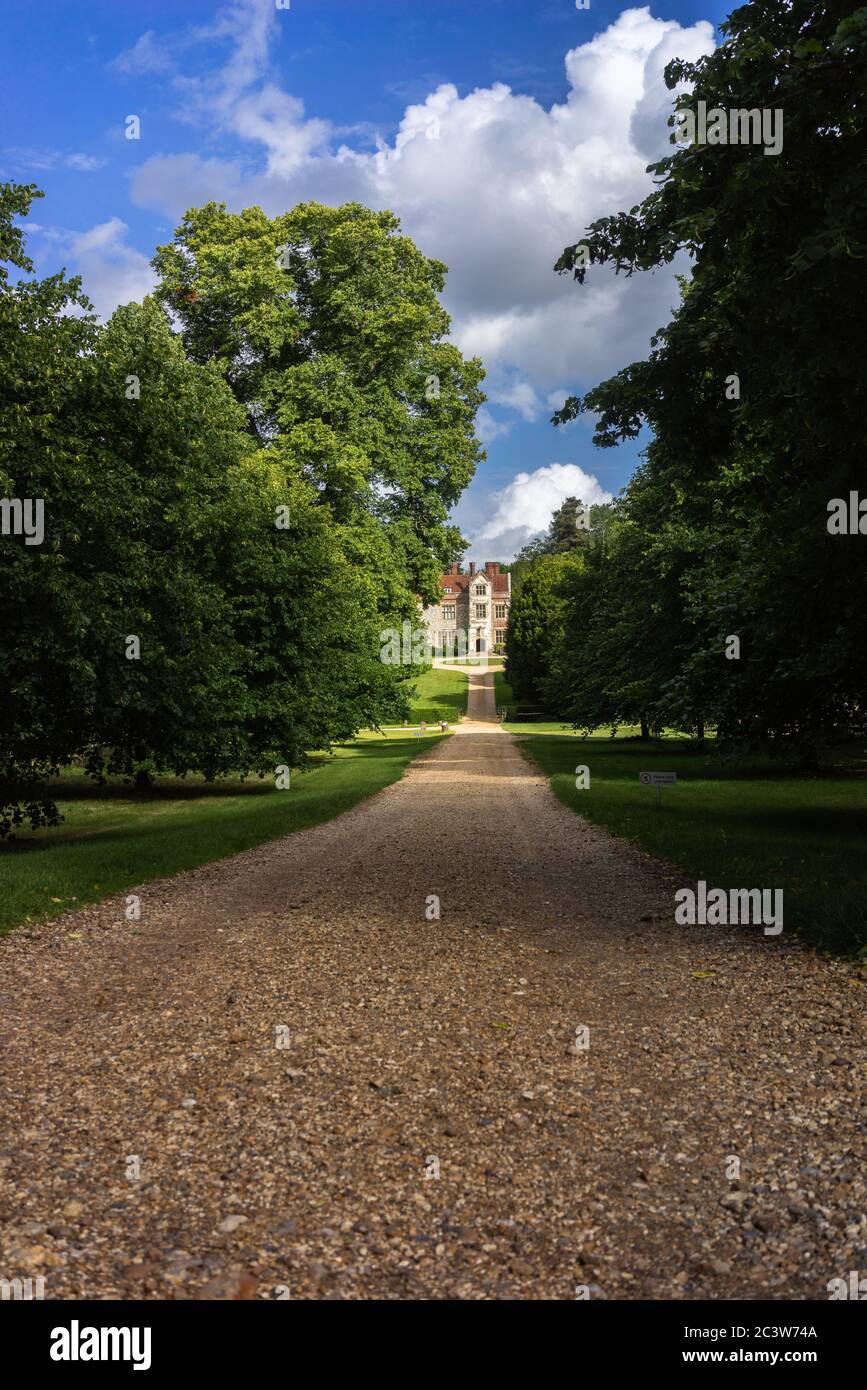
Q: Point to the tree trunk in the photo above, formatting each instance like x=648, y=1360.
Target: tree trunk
x=645, y=732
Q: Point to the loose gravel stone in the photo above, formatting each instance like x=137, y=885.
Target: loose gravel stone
x=289, y=1082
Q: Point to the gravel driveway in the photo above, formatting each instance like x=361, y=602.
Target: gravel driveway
x=291, y=1077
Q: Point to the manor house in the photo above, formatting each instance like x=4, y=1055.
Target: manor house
x=476, y=603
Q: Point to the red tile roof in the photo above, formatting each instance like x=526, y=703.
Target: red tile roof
x=459, y=582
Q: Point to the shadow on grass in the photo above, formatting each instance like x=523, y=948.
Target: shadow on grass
x=78, y=787
x=75, y=789
x=152, y=832
x=758, y=824
x=848, y=764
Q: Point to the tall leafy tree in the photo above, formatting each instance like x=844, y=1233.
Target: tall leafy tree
x=535, y=623
x=573, y=526
x=46, y=335
x=195, y=604
x=327, y=326
x=753, y=391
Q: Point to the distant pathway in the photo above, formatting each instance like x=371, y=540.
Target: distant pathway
x=481, y=706
x=412, y=1043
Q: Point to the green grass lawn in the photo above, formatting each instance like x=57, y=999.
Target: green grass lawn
x=745, y=825
x=441, y=693
x=111, y=840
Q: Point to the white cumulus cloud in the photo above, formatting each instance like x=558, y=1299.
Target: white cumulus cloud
x=492, y=182
x=112, y=271
x=523, y=509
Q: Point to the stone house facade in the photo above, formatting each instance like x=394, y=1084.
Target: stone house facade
x=476, y=603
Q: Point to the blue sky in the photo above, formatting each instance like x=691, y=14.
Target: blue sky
x=496, y=129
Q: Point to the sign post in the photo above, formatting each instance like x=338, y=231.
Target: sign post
x=658, y=780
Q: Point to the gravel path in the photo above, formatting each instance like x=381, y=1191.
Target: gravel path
x=297, y=1160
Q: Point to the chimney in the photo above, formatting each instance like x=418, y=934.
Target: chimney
x=472, y=567
x=492, y=567
x=453, y=567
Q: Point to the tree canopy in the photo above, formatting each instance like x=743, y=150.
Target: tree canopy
x=753, y=393
x=232, y=511
x=327, y=327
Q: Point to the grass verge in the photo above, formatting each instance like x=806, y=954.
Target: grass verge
x=441, y=693
x=742, y=825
